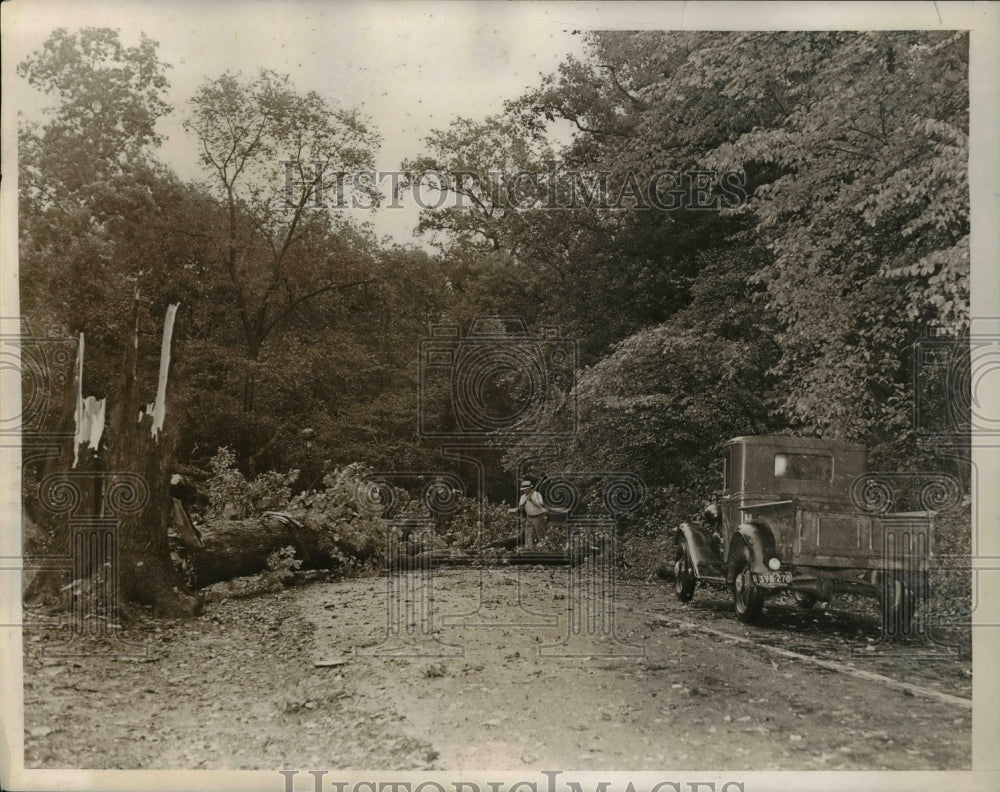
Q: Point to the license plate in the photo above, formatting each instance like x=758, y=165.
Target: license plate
x=772, y=578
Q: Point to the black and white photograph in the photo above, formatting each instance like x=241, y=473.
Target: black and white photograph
x=499, y=397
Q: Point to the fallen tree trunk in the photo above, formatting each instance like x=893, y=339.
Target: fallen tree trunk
x=237, y=548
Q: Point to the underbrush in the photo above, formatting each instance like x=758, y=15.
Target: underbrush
x=647, y=557
x=334, y=525
x=463, y=528
x=952, y=581
x=646, y=550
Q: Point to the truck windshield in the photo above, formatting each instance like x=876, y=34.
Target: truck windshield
x=803, y=467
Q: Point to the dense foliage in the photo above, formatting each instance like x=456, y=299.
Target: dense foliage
x=782, y=290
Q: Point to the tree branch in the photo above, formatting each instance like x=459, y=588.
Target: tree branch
x=621, y=88
x=293, y=304
x=604, y=132
x=872, y=135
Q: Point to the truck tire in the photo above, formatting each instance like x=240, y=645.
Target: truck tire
x=684, y=579
x=748, y=598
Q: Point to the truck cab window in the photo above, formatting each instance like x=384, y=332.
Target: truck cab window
x=803, y=467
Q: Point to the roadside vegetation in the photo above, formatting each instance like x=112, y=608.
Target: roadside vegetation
x=786, y=290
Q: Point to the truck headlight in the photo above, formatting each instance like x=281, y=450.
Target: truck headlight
x=774, y=564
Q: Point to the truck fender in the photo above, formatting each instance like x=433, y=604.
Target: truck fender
x=699, y=545
x=760, y=539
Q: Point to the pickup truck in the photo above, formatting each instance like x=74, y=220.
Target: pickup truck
x=786, y=521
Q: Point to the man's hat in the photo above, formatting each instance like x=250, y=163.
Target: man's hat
x=525, y=484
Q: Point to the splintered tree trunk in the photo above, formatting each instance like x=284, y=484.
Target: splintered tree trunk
x=73, y=465
x=141, y=443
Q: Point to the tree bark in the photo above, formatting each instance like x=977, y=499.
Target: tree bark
x=236, y=548
x=142, y=443
x=48, y=543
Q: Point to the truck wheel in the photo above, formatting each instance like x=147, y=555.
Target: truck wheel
x=748, y=598
x=804, y=599
x=684, y=579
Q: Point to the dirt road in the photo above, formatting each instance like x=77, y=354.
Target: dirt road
x=500, y=681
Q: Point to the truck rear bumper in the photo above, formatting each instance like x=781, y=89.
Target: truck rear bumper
x=823, y=584
x=824, y=588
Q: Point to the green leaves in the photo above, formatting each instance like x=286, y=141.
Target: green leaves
x=854, y=150
x=246, y=129
x=110, y=99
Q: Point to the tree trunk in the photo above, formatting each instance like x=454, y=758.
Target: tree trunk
x=66, y=465
x=146, y=574
x=234, y=548
x=245, y=451
x=141, y=443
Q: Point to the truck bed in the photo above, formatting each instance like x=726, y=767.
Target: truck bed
x=835, y=535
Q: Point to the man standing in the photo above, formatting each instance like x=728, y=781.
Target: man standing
x=535, y=515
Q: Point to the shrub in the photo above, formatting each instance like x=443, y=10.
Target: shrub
x=951, y=570
x=282, y=566
x=232, y=496
x=461, y=528
x=357, y=539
